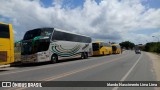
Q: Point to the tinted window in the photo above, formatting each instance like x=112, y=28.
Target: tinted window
x=41, y=45
x=95, y=46
x=26, y=48
x=46, y=32
x=38, y=32
x=107, y=44
x=31, y=34
x=114, y=48
x=58, y=35
x=4, y=31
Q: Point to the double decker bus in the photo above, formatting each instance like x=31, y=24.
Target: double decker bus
x=116, y=49
x=51, y=44
x=101, y=48
x=6, y=44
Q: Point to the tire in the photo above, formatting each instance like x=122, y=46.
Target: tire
x=103, y=53
x=54, y=58
x=109, y=53
x=84, y=55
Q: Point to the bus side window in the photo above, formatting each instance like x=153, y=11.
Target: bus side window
x=4, y=32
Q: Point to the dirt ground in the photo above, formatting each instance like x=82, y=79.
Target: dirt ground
x=156, y=65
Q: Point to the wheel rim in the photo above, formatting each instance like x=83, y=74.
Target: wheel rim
x=82, y=56
x=54, y=59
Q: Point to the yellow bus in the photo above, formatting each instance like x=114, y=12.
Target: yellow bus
x=116, y=49
x=6, y=44
x=101, y=48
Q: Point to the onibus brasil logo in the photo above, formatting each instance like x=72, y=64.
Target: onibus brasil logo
x=21, y=84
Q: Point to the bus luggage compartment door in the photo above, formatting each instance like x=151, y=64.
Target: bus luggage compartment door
x=3, y=56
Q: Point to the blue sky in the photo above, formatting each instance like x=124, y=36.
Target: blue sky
x=152, y=3
x=108, y=20
x=77, y=3
x=71, y=3
x=147, y=32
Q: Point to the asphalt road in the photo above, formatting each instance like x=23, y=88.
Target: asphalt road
x=121, y=67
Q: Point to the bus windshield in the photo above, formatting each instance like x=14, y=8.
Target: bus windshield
x=37, y=32
x=114, y=48
x=30, y=46
x=95, y=46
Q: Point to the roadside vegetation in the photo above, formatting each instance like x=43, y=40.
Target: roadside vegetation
x=127, y=45
x=152, y=47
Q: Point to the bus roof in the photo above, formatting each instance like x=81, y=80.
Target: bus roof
x=4, y=23
x=115, y=45
x=68, y=32
x=100, y=42
x=59, y=30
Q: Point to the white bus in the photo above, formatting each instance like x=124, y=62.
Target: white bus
x=51, y=44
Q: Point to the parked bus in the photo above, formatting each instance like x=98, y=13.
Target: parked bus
x=116, y=49
x=6, y=44
x=51, y=44
x=101, y=48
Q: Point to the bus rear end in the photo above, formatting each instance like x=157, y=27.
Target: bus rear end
x=116, y=48
x=101, y=48
x=6, y=44
x=96, y=49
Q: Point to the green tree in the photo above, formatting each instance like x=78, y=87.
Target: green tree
x=152, y=47
x=127, y=45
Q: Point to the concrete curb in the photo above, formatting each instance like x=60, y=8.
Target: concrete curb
x=3, y=66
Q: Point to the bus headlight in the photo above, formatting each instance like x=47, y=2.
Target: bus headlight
x=39, y=54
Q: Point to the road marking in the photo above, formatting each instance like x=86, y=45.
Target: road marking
x=37, y=68
x=75, y=71
x=130, y=70
x=83, y=69
x=28, y=70
x=72, y=72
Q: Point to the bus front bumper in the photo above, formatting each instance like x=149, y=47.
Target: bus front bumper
x=29, y=58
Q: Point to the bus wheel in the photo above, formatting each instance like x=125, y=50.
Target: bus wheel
x=82, y=55
x=103, y=53
x=86, y=55
x=54, y=58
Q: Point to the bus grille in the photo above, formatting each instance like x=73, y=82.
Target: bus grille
x=3, y=56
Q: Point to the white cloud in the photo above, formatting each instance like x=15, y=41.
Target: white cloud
x=109, y=20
